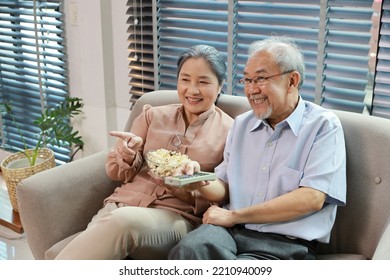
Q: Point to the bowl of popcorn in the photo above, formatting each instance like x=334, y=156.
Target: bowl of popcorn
x=163, y=163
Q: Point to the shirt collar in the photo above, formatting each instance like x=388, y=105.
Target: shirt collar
x=295, y=118
x=202, y=117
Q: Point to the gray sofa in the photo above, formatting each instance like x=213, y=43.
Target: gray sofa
x=56, y=204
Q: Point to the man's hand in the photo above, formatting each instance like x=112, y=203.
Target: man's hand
x=189, y=168
x=181, y=193
x=218, y=216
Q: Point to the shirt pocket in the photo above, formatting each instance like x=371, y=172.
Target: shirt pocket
x=288, y=179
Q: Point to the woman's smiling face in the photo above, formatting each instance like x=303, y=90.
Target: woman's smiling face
x=197, y=87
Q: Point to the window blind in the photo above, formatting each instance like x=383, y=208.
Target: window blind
x=381, y=103
x=141, y=55
x=334, y=36
x=24, y=33
x=257, y=20
x=347, y=47
x=181, y=25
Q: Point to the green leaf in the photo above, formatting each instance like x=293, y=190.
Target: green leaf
x=55, y=125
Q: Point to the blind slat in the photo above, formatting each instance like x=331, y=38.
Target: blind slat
x=381, y=101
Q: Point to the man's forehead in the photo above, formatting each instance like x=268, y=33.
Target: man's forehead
x=259, y=63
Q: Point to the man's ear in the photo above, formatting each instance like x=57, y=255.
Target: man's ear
x=295, y=78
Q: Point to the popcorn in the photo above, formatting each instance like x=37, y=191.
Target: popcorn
x=163, y=162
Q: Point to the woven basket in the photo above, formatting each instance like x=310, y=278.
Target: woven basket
x=12, y=176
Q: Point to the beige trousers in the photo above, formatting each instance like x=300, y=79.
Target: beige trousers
x=118, y=232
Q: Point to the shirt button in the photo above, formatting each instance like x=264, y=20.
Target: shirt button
x=269, y=144
x=264, y=168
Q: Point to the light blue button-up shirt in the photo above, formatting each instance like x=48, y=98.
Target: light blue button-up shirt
x=306, y=149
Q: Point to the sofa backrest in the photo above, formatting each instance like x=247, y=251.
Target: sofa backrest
x=232, y=105
x=360, y=224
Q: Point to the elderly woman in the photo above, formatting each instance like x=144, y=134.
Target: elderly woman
x=143, y=219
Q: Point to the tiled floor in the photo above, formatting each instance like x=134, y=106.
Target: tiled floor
x=13, y=246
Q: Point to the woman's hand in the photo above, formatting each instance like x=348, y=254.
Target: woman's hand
x=127, y=144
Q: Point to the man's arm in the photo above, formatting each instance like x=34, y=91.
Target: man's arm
x=215, y=191
x=292, y=205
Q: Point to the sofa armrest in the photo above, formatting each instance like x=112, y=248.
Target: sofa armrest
x=382, y=251
x=59, y=202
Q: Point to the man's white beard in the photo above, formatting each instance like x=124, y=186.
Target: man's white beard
x=265, y=115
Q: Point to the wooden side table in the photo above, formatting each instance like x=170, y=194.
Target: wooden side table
x=8, y=217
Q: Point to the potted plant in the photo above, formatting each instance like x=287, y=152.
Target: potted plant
x=55, y=130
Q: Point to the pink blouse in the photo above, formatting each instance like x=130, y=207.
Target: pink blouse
x=203, y=141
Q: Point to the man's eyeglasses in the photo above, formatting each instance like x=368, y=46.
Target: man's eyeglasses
x=259, y=80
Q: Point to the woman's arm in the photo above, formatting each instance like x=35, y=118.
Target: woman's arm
x=125, y=160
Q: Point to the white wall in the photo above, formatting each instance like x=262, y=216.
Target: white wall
x=98, y=68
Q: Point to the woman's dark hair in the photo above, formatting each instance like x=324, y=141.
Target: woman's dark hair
x=208, y=53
